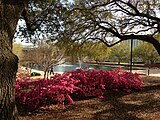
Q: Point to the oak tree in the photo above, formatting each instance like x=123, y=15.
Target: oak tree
x=119, y=20
x=35, y=13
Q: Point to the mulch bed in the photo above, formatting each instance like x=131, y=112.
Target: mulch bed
x=139, y=105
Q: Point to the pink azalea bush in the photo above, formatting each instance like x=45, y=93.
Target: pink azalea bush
x=70, y=86
x=34, y=94
x=95, y=83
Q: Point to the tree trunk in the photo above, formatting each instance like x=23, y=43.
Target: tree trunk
x=44, y=75
x=8, y=69
x=10, y=11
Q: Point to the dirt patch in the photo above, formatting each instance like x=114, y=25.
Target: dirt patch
x=139, y=105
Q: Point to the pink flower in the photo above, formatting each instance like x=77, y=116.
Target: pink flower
x=101, y=97
x=24, y=98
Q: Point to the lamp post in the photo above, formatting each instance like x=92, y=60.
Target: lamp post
x=131, y=55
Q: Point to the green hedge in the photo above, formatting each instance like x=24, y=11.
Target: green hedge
x=35, y=74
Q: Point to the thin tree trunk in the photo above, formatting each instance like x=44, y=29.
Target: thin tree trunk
x=45, y=74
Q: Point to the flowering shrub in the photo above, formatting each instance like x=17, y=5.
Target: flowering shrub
x=34, y=94
x=74, y=85
x=95, y=83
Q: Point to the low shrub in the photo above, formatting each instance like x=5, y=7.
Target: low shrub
x=35, y=74
x=70, y=86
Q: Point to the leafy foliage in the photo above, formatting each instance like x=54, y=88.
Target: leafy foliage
x=147, y=53
x=97, y=51
x=17, y=49
x=120, y=52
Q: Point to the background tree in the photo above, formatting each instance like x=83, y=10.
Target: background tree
x=120, y=52
x=18, y=50
x=46, y=56
x=80, y=51
x=118, y=19
x=96, y=51
x=146, y=53
x=71, y=49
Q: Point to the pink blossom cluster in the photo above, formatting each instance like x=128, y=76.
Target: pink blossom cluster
x=95, y=83
x=32, y=94
x=70, y=86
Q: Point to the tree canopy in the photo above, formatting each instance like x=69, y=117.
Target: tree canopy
x=109, y=21
x=113, y=21
x=42, y=19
